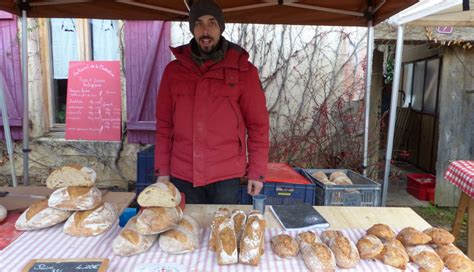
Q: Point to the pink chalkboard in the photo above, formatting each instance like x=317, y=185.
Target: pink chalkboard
x=93, y=109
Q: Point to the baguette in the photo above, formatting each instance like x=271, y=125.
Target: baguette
x=129, y=242
x=91, y=222
x=39, y=216
x=160, y=194
x=155, y=220
x=74, y=198
x=71, y=175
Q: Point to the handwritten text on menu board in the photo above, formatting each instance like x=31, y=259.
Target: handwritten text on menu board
x=93, y=109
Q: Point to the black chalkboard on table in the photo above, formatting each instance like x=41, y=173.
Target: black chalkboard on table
x=72, y=265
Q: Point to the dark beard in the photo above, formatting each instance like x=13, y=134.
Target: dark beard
x=208, y=50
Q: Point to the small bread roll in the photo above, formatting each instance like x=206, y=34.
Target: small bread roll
x=440, y=236
x=129, y=242
x=328, y=235
x=412, y=237
x=91, y=222
x=75, y=198
x=71, y=175
x=369, y=246
x=425, y=257
x=345, y=252
x=3, y=213
x=284, y=246
x=219, y=216
x=40, y=215
x=156, y=220
x=382, y=231
x=394, y=254
x=160, y=194
x=336, y=174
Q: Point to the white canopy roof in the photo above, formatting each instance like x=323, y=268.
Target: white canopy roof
x=436, y=13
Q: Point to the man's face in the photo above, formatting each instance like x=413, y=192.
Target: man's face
x=207, y=33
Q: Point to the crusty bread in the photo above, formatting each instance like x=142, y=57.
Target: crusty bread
x=308, y=237
x=412, y=237
x=129, y=242
x=321, y=176
x=342, y=181
x=3, y=213
x=284, y=246
x=369, y=246
x=336, y=174
x=316, y=255
x=382, y=231
x=240, y=218
x=445, y=250
x=440, y=236
x=182, y=239
x=159, y=194
x=74, y=198
x=226, y=243
x=454, y=258
x=394, y=254
x=154, y=220
x=39, y=216
x=345, y=252
x=92, y=222
x=219, y=216
x=426, y=258
x=328, y=235
x=252, y=242
x=71, y=175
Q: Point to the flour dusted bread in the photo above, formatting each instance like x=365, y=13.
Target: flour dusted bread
x=160, y=194
x=382, y=231
x=71, y=175
x=284, y=246
x=92, y=222
x=154, y=220
x=75, y=198
x=3, y=213
x=394, y=254
x=182, y=239
x=40, y=215
x=129, y=242
x=219, y=216
x=240, y=218
x=328, y=235
x=226, y=243
x=369, y=247
x=345, y=252
x=252, y=242
x=454, y=259
x=412, y=237
x=426, y=258
x=316, y=255
x=439, y=236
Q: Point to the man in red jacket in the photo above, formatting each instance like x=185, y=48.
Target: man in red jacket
x=212, y=122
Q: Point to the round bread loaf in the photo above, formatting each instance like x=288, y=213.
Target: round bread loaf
x=284, y=246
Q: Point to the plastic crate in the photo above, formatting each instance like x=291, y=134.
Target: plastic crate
x=363, y=191
x=145, y=168
x=419, y=185
x=280, y=193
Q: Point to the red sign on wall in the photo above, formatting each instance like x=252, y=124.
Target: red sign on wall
x=93, y=109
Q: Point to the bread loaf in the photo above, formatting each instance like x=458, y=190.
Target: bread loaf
x=316, y=255
x=336, y=174
x=154, y=220
x=284, y=246
x=328, y=235
x=39, y=215
x=71, y=175
x=3, y=213
x=129, y=242
x=342, y=181
x=454, y=259
x=412, y=237
x=74, y=198
x=425, y=257
x=182, y=239
x=369, y=246
x=160, y=194
x=226, y=243
x=440, y=236
x=219, y=216
x=240, y=218
x=321, y=176
x=394, y=254
x=382, y=231
x=252, y=242
x=91, y=222
x=345, y=252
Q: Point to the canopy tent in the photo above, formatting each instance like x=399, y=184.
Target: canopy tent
x=364, y=13
x=424, y=13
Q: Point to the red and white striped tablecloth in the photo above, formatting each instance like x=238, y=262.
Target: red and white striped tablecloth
x=461, y=174
x=53, y=243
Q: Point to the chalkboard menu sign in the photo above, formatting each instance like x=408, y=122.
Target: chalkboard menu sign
x=93, y=105
x=69, y=265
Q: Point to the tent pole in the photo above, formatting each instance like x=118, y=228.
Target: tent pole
x=6, y=129
x=368, y=83
x=393, y=110
x=24, y=71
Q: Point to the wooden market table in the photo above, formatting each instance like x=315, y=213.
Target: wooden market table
x=461, y=174
x=53, y=243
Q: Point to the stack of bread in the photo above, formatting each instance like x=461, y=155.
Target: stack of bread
x=336, y=178
x=75, y=199
x=160, y=216
x=431, y=249
x=237, y=237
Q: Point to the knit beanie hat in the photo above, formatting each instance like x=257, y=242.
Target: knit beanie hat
x=205, y=7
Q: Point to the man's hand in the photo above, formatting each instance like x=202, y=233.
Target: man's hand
x=254, y=187
x=163, y=179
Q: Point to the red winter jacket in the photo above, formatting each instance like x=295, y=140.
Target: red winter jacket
x=209, y=117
